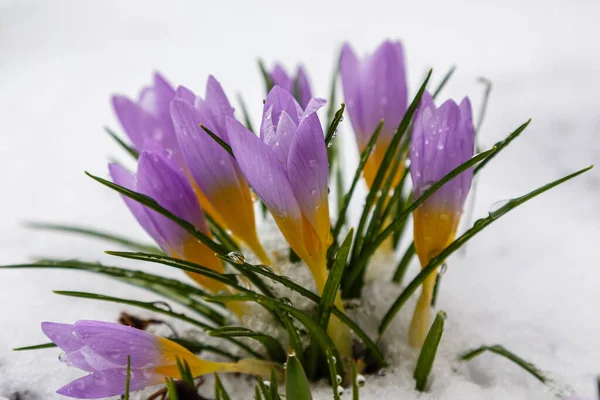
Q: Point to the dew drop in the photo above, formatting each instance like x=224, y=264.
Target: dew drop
x=444, y=216
x=115, y=353
x=312, y=163
x=497, y=206
x=291, y=352
x=266, y=268
x=338, y=379
x=443, y=269
x=286, y=301
x=285, y=364
x=340, y=391
x=236, y=257
x=267, y=383
x=361, y=381
x=440, y=146
x=313, y=192
x=100, y=379
x=62, y=357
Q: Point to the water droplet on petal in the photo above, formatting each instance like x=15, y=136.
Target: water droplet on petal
x=313, y=192
x=312, y=163
x=440, y=146
x=115, y=353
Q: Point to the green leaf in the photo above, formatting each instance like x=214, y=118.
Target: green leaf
x=171, y=389
x=459, y=242
x=152, y=306
x=80, y=230
x=274, y=388
x=444, y=81
x=337, y=118
x=219, y=141
x=185, y=372
x=220, y=392
x=36, y=347
x=296, y=383
x=257, y=395
x=332, y=286
x=428, y=351
x=128, y=148
x=502, y=351
x=266, y=76
x=364, y=156
x=153, y=205
x=128, y=378
x=355, y=389
x=264, y=389
x=245, y=113
x=404, y=263
x=501, y=145
x=272, y=345
x=238, y=264
x=352, y=285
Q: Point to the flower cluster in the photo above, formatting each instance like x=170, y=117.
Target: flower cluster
x=199, y=173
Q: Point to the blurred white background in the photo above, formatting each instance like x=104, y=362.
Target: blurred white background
x=529, y=282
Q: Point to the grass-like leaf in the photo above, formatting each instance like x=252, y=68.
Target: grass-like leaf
x=220, y=392
x=236, y=263
x=297, y=386
x=266, y=76
x=128, y=148
x=272, y=345
x=332, y=286
x=337, y=118
x=274, y=388
x=502, y=351
x=444, y=81
x=404, y=263
x=364, y=156
x=185, y=372
x=94, y=233
x=355, y=388
x=172, y=289
x=217, y=139
x=245, y=113
x=36, y=347
x=153, y=205
x=171, y=389
x=428, y=351
x=127, y=379
x=221, y=234
x=460, y=241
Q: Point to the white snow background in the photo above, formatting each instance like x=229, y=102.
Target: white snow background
x=529, y=282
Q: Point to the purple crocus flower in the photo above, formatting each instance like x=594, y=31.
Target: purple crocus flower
x=159, y=178
x=298, y=86
x=287, y=167
x=102, y=349
x=149, y=117
x=442, y=139
x=211, y=168
x=375, y=89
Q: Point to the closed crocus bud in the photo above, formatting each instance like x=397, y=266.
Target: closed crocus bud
x=149, y=117
x=375, y=89
x=287, y=167
x=442, y=139
x=159, y=179
x=102, y=349
x=298, y=86
x=212, y=169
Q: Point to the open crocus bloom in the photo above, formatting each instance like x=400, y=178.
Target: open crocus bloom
x=298, y=86
x=211, y=168
x=102, y=349
x=159, y=179
x=442, y=139
x=287, y=167
x=375, y=89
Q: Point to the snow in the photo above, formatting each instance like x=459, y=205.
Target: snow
x=529, y=282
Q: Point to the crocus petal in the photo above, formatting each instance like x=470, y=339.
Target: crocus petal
x=115, y=342
x=214, y=171
x=218, y=104
x=137, y=123
x=305, y=93
x=62, y=336
x=308, y=170
x=268, y=179
x=350, y=73
x=124, y=178
x=108, y=383
x=186, y=94
x=283, y=138
x=280, y=78
x=155, y=178
x=279, y=100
